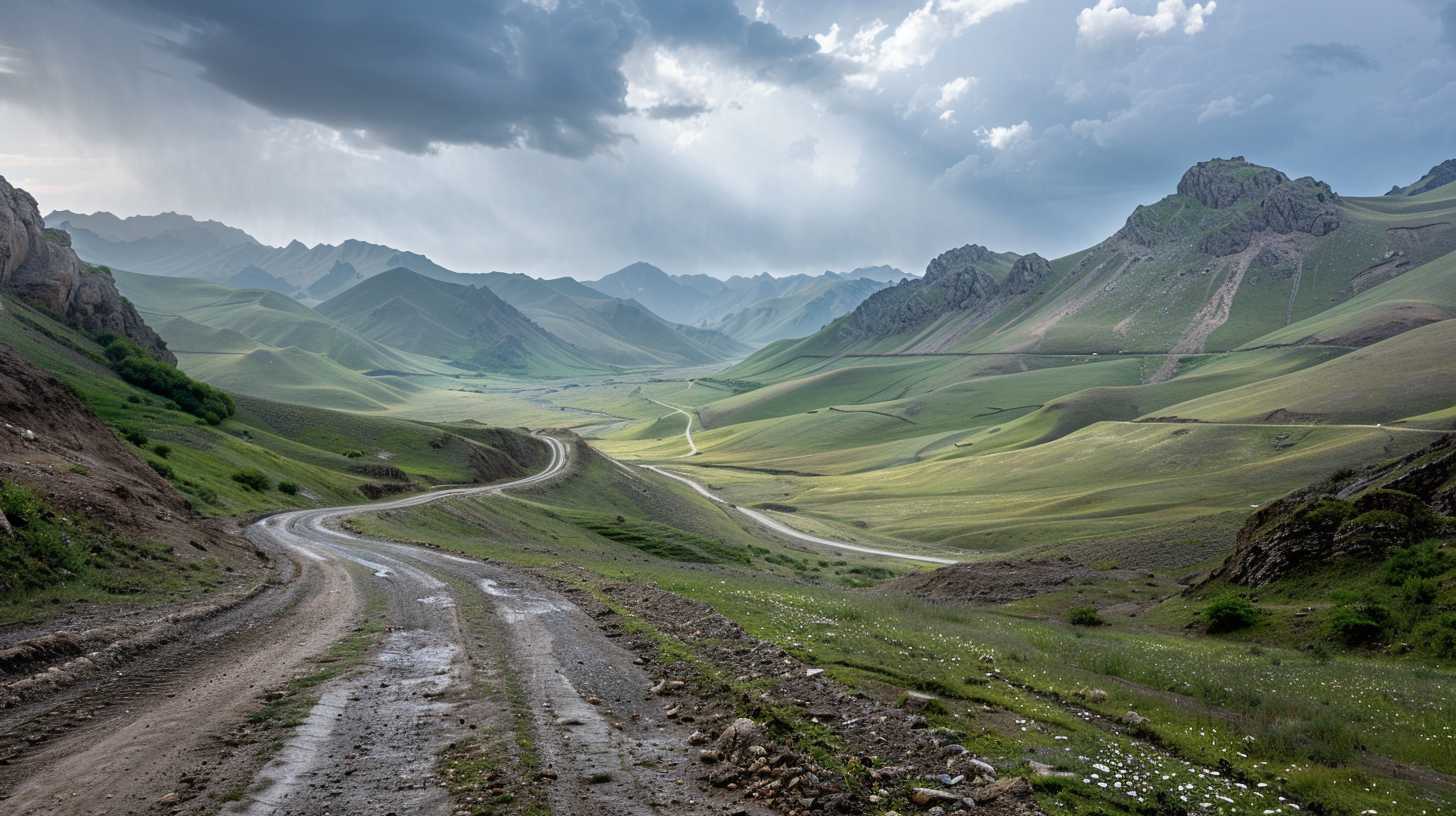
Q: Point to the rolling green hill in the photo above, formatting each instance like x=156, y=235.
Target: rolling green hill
x=467, y=325
x=266, y=317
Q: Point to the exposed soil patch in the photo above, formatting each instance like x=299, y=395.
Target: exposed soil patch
x=996, y=582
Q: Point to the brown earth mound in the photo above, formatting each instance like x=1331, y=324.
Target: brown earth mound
x=995, y=582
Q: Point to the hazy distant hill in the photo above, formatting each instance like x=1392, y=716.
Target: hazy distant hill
x=771, y=307
x=468, y=325
x=616, y=330
x=181, y=246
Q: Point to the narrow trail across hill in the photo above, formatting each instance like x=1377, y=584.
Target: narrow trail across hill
x=688, y=432
x=783, y=529
x=459, y=632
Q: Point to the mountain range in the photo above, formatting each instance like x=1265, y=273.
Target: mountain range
x=750, y=310
x=756, y=309
x=1238, y=255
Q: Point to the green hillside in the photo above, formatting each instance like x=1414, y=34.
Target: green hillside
x=470, y=326
x=268, y=318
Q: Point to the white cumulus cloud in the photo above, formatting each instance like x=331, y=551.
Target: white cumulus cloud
x=911, y=44
x=1005, y=136
x=952, y=92
x=1109, y=20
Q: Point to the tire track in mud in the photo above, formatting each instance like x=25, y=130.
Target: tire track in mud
x=604, y=742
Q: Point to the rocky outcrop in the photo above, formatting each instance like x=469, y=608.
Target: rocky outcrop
x=1027, y=273
x=1245, y=199
x=1267, y=199
x=1220, y=183
x=38, y=267
x=955, y=281
x=1302, y=205
x=1356, y=514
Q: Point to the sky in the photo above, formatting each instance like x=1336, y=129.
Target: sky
x=572, y=137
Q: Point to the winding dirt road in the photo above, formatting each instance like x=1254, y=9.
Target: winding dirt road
x=468, y=649
x=779, y=527
x=687, y=432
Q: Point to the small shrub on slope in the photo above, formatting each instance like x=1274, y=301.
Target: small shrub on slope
x=1229, y=613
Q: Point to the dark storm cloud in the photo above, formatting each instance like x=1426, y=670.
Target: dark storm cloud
x=499, y=73
x=1329, y=58
x=672, y=111
x=761, y=47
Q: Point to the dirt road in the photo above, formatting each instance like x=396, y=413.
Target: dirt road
x=687, y=432
x=779, y=527
x=160, y=736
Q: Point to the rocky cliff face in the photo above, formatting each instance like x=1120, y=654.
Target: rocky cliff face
x=39, y=267
x=1251, y=199
x=1358, y=514
x=955, y=281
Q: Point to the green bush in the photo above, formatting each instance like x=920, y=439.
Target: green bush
x=162, y=450
x=136, y=367
x=288, y=488
x=1229, y=613
x=134, y=436
x=1084, y=616
x=1424, y=560
x=1360, y=623
x=353, y=454
x=253, y=480
x=1328, y=514
x=162, y=468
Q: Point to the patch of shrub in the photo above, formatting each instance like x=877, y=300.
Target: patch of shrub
x=1229, y=613
x=162, y=468
x=353, y=454
x=162, y=450
x=1360, y=623
x=167, y=381
x=253, y=479
x=1084, y=616
x=288, y=488
x=1328, y=514
x=134, y=436
x=1424, y=560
